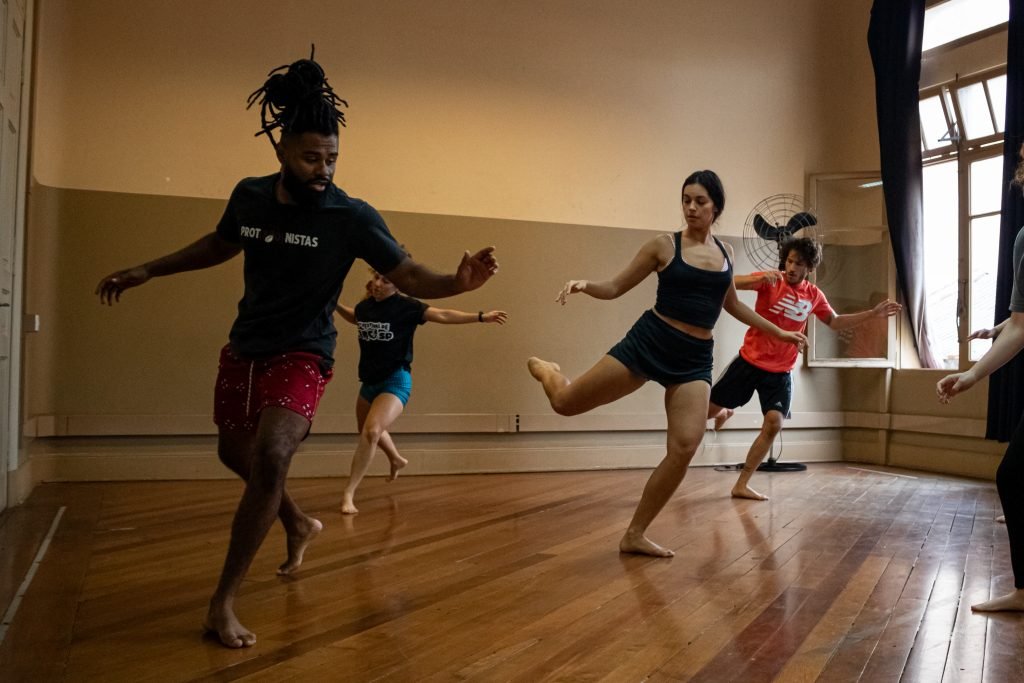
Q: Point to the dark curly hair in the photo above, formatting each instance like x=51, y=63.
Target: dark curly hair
x=297, y=99
x=808, y=250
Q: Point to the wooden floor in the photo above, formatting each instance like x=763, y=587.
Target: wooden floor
x=849, y=573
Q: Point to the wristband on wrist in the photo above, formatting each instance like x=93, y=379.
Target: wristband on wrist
x=480, y=316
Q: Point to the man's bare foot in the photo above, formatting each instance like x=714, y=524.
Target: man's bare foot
x=540, y=368
x=641, y=545
x=747, y=492
x=348, y=507
x=231, y=634
x=722, y=417
x=1001, y=519
x=297, y=544
x=1012, y=602
x=396, y=465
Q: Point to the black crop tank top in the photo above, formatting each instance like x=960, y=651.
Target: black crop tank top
x=692, y=295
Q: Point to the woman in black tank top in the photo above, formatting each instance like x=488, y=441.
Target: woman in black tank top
x=670, y=344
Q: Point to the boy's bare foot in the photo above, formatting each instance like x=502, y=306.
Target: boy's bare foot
x=348, y=507
x=230, y=632
x=641, y=545
x=540, y=368
x=1001, y=519
x=723, y=417
x=1012, y=602
x=396, y=465
x=297, y=544
x=747, y=492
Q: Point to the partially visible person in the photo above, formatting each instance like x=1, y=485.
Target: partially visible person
x=299, y=234
x=387, y=323
x=672, y=343
x=764, y=364
x=1008, y=339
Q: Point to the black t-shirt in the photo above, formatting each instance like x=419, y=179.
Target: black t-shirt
x=296, y=259
x=386, y=329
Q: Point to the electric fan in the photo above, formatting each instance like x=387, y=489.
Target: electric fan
x=771, y=222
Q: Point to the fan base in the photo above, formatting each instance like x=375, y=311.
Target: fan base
x=776, y=466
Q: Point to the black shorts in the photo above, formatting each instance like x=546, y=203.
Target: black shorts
x=739, y=381
x=657, y=351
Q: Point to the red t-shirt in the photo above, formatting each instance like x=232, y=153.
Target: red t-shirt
x=788, y=307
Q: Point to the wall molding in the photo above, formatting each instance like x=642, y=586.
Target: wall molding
x=490, y=423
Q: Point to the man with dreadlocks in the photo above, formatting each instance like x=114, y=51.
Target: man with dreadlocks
x=300, y=235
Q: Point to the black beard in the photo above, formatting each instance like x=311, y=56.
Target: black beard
x=300, y=192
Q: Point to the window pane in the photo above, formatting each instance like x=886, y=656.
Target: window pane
x=986, y=185
x=997, y=91
x=940, y=260
x=954, y=19
x=984, y=261
x=933, y=121
x=974, y=110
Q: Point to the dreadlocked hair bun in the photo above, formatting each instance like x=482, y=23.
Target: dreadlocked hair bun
x=296, y=99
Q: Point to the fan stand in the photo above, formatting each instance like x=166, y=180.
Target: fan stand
x=772, y=464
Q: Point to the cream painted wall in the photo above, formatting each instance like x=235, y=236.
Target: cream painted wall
x=559, y=111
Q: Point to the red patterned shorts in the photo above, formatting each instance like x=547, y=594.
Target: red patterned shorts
x=245, y=387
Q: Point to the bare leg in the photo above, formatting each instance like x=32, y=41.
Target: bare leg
x=279, y=434
x=236, y=452
x=394, y=457
x=384, y=410
x=607, y=381
x=1011, y=602
x=385, y=443
x=686, y=407
x=770, y=428
x=719, y=414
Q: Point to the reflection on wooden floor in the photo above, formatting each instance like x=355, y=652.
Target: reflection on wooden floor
x=847, y=574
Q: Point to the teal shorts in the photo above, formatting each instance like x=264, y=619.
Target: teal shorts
x=398, y=384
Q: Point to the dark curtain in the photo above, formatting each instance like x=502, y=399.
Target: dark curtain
x=894, y=38
x=1005, y=400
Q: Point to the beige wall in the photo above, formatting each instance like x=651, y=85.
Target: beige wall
x=566, y=112
x=553, y=129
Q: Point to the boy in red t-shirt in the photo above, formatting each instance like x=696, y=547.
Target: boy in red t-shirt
x=786, y=299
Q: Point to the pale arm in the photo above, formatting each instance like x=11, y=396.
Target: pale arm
x=643, y=264
x=416, y=279
x=447, y=316
x=883, y=309
x=753, y=281
x=347, y=314
x=988, y=332
x=209, y=250
x=1007, y=345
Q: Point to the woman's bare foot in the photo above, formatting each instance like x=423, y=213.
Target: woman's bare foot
x=641, y=545
x=747, y=492
x=348, y=506
x=297, y=544
x=722, y=417
x=1012, y=602
x=541, y=368
x=1001, y=519
x=230, y=632
x=398, y=463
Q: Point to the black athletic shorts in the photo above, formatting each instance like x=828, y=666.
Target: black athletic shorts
x=739, y=381
x=657, y=351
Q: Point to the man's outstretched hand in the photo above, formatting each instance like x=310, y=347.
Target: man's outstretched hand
x=477, y=269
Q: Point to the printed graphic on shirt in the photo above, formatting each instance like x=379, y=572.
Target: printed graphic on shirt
x=269, y=236
x=791, y=307
x=375, y=332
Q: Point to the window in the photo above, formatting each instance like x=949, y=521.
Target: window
x=951, y=20
x=961, y=137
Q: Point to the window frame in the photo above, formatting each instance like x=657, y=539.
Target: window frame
x=964, y=151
